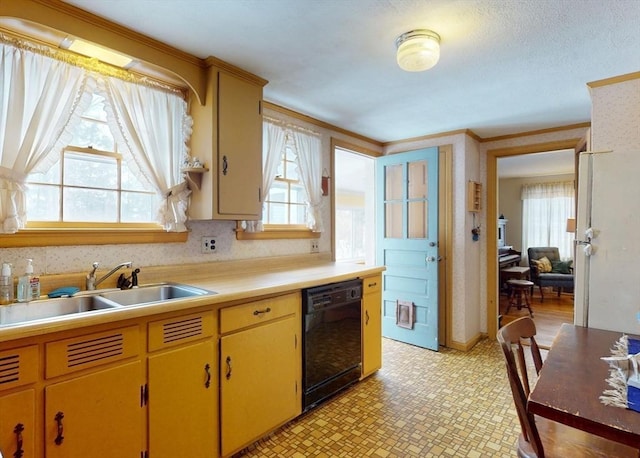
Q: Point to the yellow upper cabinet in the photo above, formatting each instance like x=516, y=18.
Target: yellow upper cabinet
x=227, y=137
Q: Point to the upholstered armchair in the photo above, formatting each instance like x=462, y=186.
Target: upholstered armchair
x=549, y=272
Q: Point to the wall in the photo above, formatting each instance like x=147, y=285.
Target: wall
x=612, y=281
x=52, y=260
x=510, y=203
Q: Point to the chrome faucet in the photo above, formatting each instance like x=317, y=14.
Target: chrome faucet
x=92, y=283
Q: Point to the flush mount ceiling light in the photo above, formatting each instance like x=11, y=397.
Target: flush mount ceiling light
x=418, y=50
x=94, y=51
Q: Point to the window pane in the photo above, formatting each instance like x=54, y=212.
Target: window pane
x=393, y=220
x=298, y=194
x=43, y=203
x=417, y=220
x=292, y=171
x=138, y=207
x=298, y=214
x=90, y=170
x=278, y=192
x=417, y=179
x=393, y=182
x=93, y=134
x=131, y=183
x=92, y=205
x=277, y=213
x=51, y=176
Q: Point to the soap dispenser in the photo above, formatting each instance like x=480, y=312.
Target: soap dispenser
x=28, y=284
x=6, y=285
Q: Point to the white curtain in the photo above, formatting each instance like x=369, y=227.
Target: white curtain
x=153, y=126
x=39, y=98
x=545, y=210
x=309, y=157
x=273, y=143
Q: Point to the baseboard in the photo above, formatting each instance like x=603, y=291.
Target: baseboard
x=468, y=345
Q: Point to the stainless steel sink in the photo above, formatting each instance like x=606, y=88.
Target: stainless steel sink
x=90, y=301
x=154, y=293
x=50, y=308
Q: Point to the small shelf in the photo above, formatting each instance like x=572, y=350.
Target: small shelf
x=474, y=197
x=194, y=176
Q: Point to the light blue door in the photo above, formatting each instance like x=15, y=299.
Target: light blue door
x=407, y=245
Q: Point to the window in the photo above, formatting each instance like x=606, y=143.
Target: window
x=545, y=210
x=286, y=201
x=90, y=182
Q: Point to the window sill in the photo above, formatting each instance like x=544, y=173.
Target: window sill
x=276, y=234
x=97, y=236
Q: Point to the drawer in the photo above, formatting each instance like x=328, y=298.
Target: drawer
x=254, y=313
x=18, y=367
x=91, y=350
x=371, y=284
x=180, y=330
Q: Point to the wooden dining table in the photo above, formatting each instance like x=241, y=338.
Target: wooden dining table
x=572, y=379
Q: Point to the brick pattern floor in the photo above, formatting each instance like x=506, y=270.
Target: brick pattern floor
x=420, y=404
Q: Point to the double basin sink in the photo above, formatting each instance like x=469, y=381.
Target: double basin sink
x=91, y=301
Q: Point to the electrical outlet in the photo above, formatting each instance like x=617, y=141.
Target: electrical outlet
x=315, y=246
x=209, y=244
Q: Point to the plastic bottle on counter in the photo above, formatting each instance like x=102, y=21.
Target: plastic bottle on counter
x=6, y=285
x=28, y=284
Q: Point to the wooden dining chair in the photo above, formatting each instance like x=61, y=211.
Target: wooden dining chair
x=540, y=437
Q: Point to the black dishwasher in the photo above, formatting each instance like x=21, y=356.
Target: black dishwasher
x=332, y=339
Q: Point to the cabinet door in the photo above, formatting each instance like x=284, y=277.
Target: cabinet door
x=239, y=148
x=259, y=373
x=371, y=325
x=17, y=424
x=97, y=415
x=183, y=403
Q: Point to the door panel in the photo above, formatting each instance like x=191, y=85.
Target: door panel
x=407, y=245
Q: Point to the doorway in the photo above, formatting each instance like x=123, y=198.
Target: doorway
x=492, y=215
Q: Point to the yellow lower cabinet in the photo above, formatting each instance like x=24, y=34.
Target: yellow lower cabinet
x=17, y=424
x=98, y=415
x=371, y=325
x=259, y=381
x=183, y=402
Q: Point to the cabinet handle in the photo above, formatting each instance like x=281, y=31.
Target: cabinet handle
x=260, y=312
x=18, y=432
x=59, y=437
x=366, y=314
x=225, y=165
x=229, y=367
x=371, y=285
x=207, y=370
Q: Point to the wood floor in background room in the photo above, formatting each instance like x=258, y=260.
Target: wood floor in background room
x=548, y=315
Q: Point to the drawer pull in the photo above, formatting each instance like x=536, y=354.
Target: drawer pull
x=260, y=312
x=207, y=370
x=18, y=432
x=371, y=285
x=229, y=369
x=59, y=438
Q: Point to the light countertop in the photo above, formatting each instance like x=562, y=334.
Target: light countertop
x=233, y=282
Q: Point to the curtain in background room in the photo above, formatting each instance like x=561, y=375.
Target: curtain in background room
x=545, y=210
x=39, y=97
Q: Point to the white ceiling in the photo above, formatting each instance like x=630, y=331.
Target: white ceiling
x=506, y=66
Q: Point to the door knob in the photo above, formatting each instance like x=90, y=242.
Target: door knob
x=431, y=258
